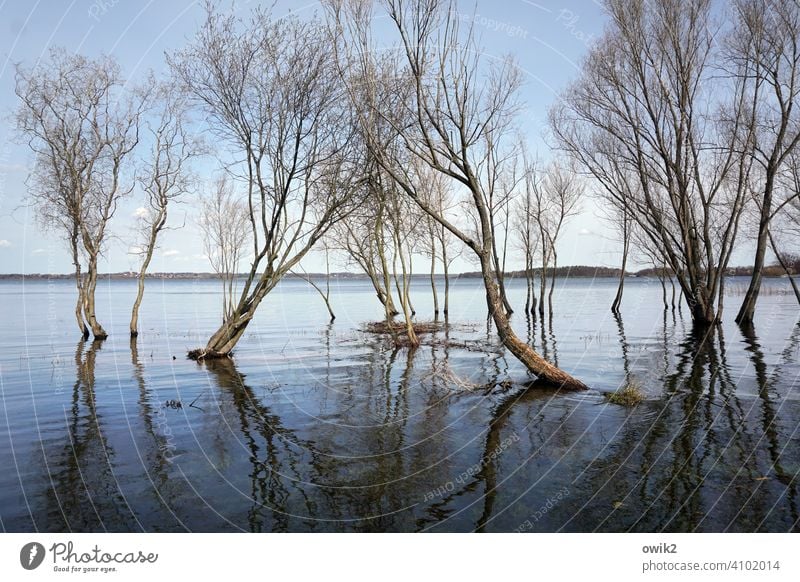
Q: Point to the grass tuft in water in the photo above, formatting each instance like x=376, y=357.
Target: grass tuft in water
x=630, y=394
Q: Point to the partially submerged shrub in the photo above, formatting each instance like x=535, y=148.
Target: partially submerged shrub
x=630, y=394
x=389, y=327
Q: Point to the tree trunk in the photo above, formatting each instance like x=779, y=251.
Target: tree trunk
x=748, y=308
x=79, y=285
x=405, y=300
x=140, y=291
x=542, y=284
x=552, y=283
x=544, y=370
x=672, y=300
x=528, y=283
x=702, y=311
x=222, y=342
x=387, y=283
x=784, y=266
x=433, y=278
x=408, y=275
x=446, y=281
x=625, y=246
x=88, y=300
x=500, y=276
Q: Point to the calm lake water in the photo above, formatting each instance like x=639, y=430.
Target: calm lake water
x=321, y=427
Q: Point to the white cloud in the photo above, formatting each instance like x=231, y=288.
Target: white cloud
x=38, y=251
x=134, y=250
x=586, y=232
x=4, y=244
x=171, y=253
x=141, y=212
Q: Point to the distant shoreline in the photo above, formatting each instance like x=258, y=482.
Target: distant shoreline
x=578, y=272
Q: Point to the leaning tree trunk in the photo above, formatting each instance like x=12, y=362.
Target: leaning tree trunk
x=325, y=294
x=543, y=369
x=222, y=342
x=88, y=300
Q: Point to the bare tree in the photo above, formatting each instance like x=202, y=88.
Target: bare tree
x=431, y=250
x=557, y=198
x=268, y=89
x=224, y=222
x=624, y=224
x=165, y=179
x=436, y=242
x=404, y=223
x=765, y=48
x=82, y=130
x=365, y=239
x=527, y=230
x=649, y=103
x=460, y=113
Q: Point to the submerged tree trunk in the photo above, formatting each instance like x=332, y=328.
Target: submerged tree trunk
x=387, y=284
x=552, y=283
x=672, y=300
x=403, y=292
x=663, y=288
x=446, y=281
x=157, y=225
x=79, y=285
x=407, y=276
x=748, y=308
x=139, y=295
x=90, y=285
x=542, y=284
x=625, y=246
x=433, y=279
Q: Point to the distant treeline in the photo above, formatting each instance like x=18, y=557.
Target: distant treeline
x=576, y=271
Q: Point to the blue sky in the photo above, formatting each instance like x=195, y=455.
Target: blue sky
x=548, y=37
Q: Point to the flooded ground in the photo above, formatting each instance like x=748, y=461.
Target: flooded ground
x=321, y=427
